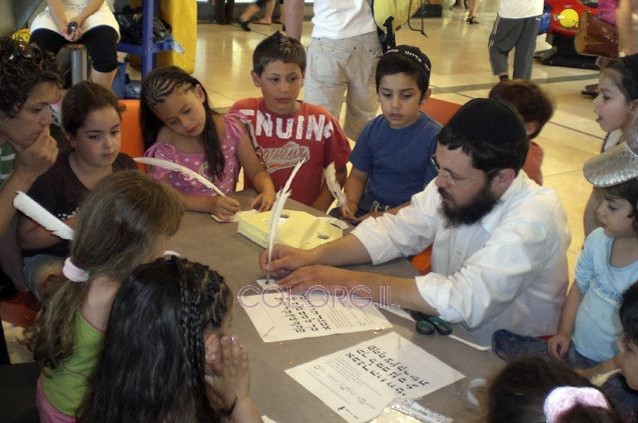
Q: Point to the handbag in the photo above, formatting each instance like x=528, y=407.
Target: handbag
x=130, y=21
x=596, y=36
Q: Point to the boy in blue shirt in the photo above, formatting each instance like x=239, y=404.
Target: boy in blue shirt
x=391, y=160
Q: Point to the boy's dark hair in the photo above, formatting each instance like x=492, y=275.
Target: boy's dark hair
x=531, y=102
x=629, y=313
x=22, y=67
x=489, y=131
x=627, y=191
x=405, y=59
x=82, y=99
x=518, y=393
x=278, y=47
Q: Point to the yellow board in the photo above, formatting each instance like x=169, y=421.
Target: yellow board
x=182, y=16
x=296, y=229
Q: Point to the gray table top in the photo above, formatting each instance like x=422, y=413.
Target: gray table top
x=218, y=245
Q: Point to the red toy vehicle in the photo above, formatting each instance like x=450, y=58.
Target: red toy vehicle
x=564, y=15
x=560, y=22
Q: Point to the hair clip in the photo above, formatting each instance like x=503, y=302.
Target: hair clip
x=564, y=398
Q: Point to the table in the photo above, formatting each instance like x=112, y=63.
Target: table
x=202, y=239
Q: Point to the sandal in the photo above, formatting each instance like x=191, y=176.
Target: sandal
x=472, y=20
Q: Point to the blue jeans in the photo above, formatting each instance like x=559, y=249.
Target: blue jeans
x=510, y=346
x=624, y=399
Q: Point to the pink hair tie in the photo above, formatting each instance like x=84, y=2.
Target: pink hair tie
x=74, y=273
x=563, y=399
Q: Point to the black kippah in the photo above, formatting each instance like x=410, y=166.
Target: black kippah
x=489, y=121
x=414, y=54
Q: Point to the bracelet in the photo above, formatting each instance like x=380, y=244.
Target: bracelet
x=229, y=411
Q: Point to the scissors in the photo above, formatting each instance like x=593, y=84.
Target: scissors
x=427, y=325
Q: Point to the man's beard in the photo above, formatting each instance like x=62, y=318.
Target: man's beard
x=481, y=205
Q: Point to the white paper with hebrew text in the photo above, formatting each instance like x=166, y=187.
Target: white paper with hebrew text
x=359, y=382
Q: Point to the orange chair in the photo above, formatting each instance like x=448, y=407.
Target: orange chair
x=19, y=309
x=131, y=132
x=441, y=111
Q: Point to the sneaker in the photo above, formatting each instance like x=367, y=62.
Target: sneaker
x=244, y=25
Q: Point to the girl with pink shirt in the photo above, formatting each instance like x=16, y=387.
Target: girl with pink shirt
x=179, y=126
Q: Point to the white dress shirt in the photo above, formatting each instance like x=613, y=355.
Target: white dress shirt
x=507, y=271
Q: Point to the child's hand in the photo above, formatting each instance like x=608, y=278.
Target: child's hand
x=224, y=207
x=558, y=345
x=348, y=212
x=264, y=201
x=228, y=378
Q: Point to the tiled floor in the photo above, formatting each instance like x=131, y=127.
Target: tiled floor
x=461, y=71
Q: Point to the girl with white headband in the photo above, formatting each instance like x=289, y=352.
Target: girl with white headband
x=125, y=221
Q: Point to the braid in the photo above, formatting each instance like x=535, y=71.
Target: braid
x=156, y=87
x=193, y=308
x=218, y=293
x=192, y=328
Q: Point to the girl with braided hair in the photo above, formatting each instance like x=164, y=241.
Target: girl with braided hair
x=179, y=126
x=166, y=356
x=123, y=222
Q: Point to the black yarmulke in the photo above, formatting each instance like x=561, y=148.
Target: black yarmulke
x=488, y=121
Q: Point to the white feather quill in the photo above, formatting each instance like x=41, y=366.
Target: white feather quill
x=151, y=161
x=42, y=216
x=335, y=189
x=278, y=208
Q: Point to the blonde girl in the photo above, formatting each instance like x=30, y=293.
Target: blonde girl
x=179, y=125
x=124, y=222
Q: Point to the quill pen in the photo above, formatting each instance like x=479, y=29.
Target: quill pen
x=181, y=169
x=277, y=208
x=42, y=216
x=335, y=189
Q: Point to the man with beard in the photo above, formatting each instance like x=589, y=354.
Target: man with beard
x=499, y=240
